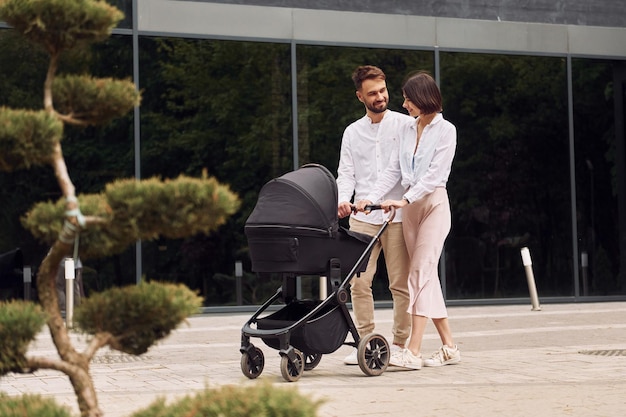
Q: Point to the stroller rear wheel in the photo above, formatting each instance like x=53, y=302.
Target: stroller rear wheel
x=311, y=360
x=252, y=365
x=373, y=354
x=292, y=370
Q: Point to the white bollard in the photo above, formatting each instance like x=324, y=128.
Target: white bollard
x=239, y=282
x=584, y=263
x=323, y=288
x=70, y=275
x=530, y=277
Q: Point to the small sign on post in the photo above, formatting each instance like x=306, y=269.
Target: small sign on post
x=70, y=275
x=28, y=278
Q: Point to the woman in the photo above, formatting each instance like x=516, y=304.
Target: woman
x=423, y=162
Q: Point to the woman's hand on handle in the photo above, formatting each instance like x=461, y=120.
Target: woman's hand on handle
x=398, y=204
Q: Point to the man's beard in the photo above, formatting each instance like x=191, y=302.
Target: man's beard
x=377, y=109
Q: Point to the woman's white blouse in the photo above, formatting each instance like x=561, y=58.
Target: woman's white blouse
x=423, y=170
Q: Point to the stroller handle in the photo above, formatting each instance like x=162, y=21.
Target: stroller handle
x=372, y=207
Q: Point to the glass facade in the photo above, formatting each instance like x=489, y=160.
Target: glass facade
x=597, y=162
x=223, y=107
x=512, y=121
x=540, y=160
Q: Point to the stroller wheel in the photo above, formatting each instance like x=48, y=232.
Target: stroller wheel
x=373, y=354
x=292, y=371
x=311, y=360
x=252, y=366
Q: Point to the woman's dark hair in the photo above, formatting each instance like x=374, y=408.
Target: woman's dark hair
x=422, y=90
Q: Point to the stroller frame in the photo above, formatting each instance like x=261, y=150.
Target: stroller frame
x=373, y=351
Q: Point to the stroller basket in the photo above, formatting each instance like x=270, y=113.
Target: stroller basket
x=323, y=333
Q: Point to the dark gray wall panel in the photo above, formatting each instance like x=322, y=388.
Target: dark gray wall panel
x=608, y=13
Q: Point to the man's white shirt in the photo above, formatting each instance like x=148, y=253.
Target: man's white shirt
x=366, y=150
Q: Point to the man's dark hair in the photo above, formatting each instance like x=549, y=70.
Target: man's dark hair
x=366, y=72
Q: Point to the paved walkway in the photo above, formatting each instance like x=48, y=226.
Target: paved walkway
x=565, y=360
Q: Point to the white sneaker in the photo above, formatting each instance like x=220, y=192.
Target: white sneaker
x=351, y=359
x=444, y=356
x=405, y=359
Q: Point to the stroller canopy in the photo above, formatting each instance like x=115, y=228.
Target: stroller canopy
x=294, y=227
x=306, y=198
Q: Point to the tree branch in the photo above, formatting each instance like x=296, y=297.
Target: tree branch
x=100, y=340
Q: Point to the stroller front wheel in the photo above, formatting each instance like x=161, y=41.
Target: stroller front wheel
x=252, y=365
x=292, y=370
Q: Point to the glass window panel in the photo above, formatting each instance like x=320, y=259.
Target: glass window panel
x=595, y=85
x=223, y=106
x=510, y=185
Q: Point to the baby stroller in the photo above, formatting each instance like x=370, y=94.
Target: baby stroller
x=294, y=230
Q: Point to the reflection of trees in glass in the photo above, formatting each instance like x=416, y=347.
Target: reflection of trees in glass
x=596, y=171
x=327, y=103
x=96, y=155
x=220, y=105
x=510, y=182
x=227, y=106
x=326, y=95
x=21, y=77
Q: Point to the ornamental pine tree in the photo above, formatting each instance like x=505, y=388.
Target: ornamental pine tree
x=126, y=319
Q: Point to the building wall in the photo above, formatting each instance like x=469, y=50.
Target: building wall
x=609, y=13
x=305, y=24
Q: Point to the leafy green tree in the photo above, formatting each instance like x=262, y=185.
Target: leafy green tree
x=127, y=319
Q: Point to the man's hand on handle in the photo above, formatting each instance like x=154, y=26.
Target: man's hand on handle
x=344, y=209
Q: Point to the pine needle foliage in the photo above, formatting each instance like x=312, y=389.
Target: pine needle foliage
x=27, y=138
x=262, y=400
x=137, y=316
x=31, y=406
x=134, y=210
x=20, y=322
x=174, y=208
x=94, y=101
x=58, y=25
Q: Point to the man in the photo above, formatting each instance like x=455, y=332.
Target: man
x=366, y=148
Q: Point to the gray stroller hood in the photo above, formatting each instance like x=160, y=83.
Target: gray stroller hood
x=294, y=226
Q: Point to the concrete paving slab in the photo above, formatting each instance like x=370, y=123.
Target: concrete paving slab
x=565, y=360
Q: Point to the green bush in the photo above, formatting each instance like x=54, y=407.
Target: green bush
x=31, y=406
x=20, y=321
x=137, y=315
x=261, y=400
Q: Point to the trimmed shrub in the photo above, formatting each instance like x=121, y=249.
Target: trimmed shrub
x=20, y=321
x=261, y=400
x=31, y=406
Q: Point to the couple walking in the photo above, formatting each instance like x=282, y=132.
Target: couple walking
x=401, y=161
